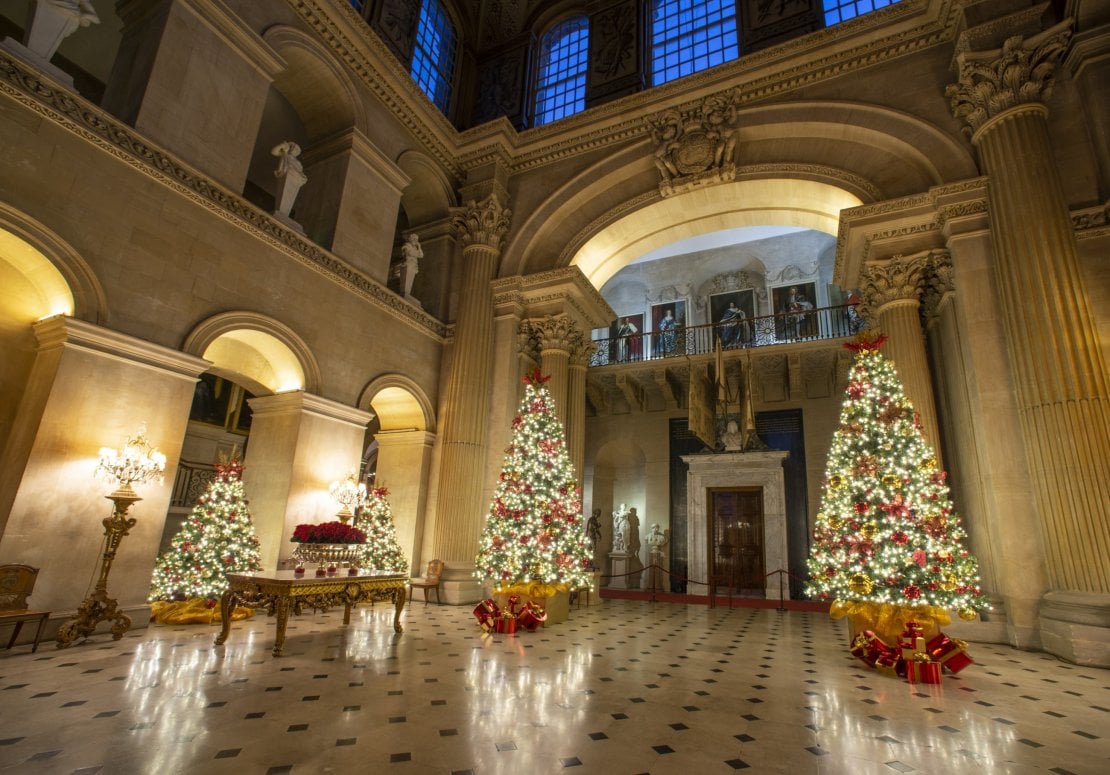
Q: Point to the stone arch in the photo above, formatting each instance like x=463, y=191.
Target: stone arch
x=429, y=195
x=256, y=351
x=398, y=403
x=319, y=90
x=62, y=282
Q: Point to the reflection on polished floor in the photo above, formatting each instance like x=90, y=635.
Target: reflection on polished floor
x=625, y=687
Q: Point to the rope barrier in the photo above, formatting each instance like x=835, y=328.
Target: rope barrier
x=780, y=572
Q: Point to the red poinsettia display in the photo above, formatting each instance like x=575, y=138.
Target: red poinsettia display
x=328, y=533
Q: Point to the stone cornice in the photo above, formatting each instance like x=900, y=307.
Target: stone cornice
x=1091, y=221
x=562, y=286
x=82, y=118
x=300, y=401
x=359, y=145
x=65, y=331
x=356, y=45
x=227, y=25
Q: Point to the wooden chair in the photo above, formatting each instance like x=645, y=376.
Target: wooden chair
x=430, y=580
x=16, y=583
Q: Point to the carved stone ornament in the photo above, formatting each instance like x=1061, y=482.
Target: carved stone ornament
x=992, y=82
x=695, y=147
x=939, y=284
x=730, y=281
x=482, y=224
x=896, y=279
x=557, y=333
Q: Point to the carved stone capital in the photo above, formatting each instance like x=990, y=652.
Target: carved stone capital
x=484, y=223
x=557, y=333
x=992, y=82
x=582, y=351
x=896, y=279
x=939, y=285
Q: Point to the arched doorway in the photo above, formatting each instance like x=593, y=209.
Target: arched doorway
x=400, y=439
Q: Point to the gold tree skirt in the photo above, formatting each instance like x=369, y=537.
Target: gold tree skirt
x=197, y=610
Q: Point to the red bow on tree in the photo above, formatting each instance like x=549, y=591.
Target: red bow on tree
x=864, y=342
x=536, y=378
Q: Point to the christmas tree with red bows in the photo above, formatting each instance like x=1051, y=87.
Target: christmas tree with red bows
x=534, y=533
x=381, y=550
x=217, y=538
x=888, y=546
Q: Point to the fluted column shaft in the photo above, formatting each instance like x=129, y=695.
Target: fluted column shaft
x=576, y=408
x=1051, y=336
x=1052, y=340
x=891, y=295
x=554, y=362
x=466, y=401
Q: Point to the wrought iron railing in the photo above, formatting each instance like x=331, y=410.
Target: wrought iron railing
x=782, y=328
x=191, y=482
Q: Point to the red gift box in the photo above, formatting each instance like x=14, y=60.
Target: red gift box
x=922, y=670
x=951, y=653
x=531, y=616
x=487, y=613
x=506, y=623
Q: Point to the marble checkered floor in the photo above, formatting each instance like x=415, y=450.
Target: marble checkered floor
x=625, y=687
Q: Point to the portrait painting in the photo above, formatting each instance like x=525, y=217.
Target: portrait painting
x=731, y=314
x=793, y=305
x=668, y=326
x=626, y=338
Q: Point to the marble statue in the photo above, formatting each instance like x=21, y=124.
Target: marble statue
x=593, y=530
x=620, y=530
x=732, y=437
x=55, y=20
x=657, y=540
x=409, y=265
x=290, y=176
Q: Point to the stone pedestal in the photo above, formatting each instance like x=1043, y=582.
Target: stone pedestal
x=620, y=563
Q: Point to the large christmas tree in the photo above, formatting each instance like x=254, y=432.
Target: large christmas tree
x=888, y=547
x=217, y=538
x=533, y=541
x=381, y=550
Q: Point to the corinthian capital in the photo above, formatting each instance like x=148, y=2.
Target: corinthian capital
x=992, y=82
x=557, y=333
x=895, y=279
x=938, y=285
x=482, y=223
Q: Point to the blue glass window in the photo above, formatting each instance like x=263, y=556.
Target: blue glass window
x=561, y=85
x=690, y=36
x=842, y=10
x=433, y=61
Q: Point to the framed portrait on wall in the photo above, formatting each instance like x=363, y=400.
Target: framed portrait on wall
x=668, y=328
x=626, y=336
x=794, y=307
x=731, y=314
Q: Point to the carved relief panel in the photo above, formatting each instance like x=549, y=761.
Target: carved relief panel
x=616, y=52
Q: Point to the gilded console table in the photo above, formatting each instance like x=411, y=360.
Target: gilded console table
x=283, y=591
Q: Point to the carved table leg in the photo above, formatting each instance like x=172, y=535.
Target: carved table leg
x=347, y=613
x=399, y=602
x=227, y=605
x=282, y=620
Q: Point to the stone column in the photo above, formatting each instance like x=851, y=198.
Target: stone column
x=481, y=229
x=576, y=404
x=300, y=443
x=404, y=460
x=90, y=387
x=557, y=336
x=890, y=291
x=1060, y=376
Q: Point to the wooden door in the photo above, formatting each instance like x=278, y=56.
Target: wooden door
x=736, y=541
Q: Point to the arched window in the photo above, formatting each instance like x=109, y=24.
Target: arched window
x=561, y=85
x=688, y=36
x=842, y=10
x=433, y=61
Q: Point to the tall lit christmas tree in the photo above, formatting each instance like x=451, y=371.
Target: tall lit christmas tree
x=381, y=550
x=888, y=547
x=534, y=534
x=217, y=538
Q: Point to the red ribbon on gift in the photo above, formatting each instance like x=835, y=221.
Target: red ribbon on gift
x=531, y=616
x=487, y=613
x=951, y=653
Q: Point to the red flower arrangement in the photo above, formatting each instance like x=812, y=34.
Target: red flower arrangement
x=328, y=533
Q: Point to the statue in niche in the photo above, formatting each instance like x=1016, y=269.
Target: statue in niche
x=405, y=269
x=732, y=438
x=621, y=529
x=290, y=176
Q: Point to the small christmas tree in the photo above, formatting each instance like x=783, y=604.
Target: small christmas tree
x=888, y=547
x=534, y=531
x=381, y=550
x=217, y=538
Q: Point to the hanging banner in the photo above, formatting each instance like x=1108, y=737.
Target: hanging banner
x=702, y=415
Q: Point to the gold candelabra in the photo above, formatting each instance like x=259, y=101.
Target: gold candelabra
x=351, y=496
x=138, y=461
